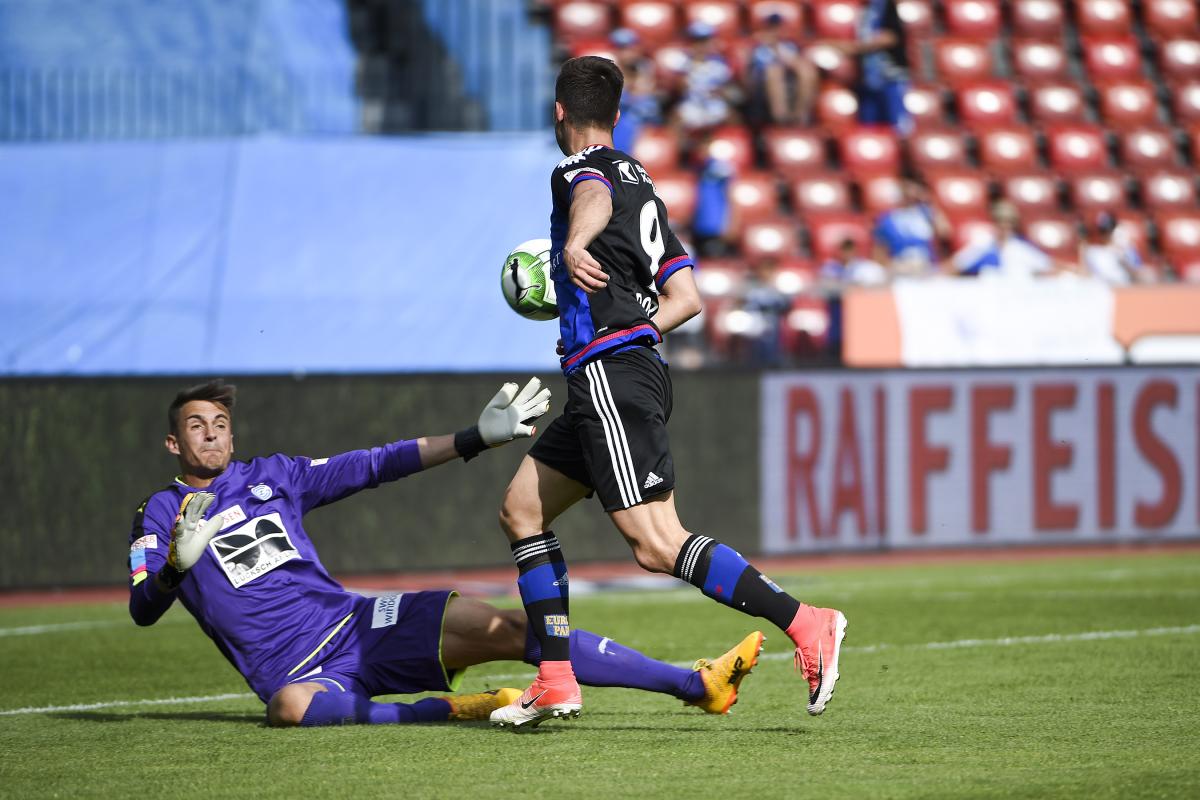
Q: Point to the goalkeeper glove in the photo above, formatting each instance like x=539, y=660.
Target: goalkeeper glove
x=189, y=537
x=505, y=418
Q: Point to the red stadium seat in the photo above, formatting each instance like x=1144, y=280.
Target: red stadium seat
x=1034, y=60
x=791, y=12
x=962, y=61
x=974, y=19
x=582, y=19
x=820, y=193
x=795, y=275
x=806, y=327
x=879, y=193
x=1188, y=269
x=1053, y=103
x=869, y=150
x=773, y=238
x=1112, y=58
x=1031, y=192
x=959, y=194
x=986, y=105
x=1038, y=17
x=1056, y=235
x=1128, y=104
x=1008, y=149
x=1178, y=233
x=837, y=107
x=678, y=193
x=754, y=196
x=1103, y=17
x=836, y=19
x=794, y=151
x=1168, y=189
x=723, y=15
x=968, y=231
x=924, y=105
x=1179, y=59
x=917, y=16
x=936, y=149
x=593, y=47
x=657, y=149
x=826, y=232
x=1147, y=148
x=1165, y=18
x=1185, y=101
x=732, y=143
x=1097, y=191
x=1133, y=228
x=1076, y=148
x=654, y=21
x=834, y=64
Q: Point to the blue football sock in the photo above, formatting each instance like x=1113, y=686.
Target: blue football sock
x=603, y=662
x=721, y=573
x=543, y=586
x=348, y=708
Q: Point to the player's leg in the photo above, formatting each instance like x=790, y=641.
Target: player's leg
x=333, y=702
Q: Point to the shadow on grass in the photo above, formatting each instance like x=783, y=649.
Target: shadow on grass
x=181, y=716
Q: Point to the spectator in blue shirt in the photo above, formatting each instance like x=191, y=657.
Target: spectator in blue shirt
x=639, y=101
x=906, y=237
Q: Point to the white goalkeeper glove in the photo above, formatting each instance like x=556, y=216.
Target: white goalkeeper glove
x=506, y=417
x=189, y=537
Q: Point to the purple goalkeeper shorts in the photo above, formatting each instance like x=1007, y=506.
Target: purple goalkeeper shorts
x=392, y=645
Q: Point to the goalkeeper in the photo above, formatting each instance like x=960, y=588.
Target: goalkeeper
x=226, y=539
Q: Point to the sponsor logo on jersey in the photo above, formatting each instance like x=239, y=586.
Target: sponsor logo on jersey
x=231, y=516
x=387, y=610
x=149, y=541
x=645, y=176
x=651, y=480
x=262, y=492
x=627, y=173
x=254, y=549
x=556, y=625
x=316, y=462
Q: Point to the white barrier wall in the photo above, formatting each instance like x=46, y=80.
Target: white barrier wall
x=909, y=459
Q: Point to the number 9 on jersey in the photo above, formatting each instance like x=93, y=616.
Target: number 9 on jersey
x=525, y=280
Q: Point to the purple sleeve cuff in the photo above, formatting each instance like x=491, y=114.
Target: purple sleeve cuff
x=147, y=604
x=589, y=176
x=399, y=459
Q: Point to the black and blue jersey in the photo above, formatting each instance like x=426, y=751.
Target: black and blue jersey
x=637, y=249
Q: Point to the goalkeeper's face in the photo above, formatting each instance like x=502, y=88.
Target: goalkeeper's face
x=204, y=441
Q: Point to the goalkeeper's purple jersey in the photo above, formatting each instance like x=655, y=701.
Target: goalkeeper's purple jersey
x=259, y=590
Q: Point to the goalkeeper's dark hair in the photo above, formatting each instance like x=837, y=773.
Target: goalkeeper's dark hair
x=214, y=391
x=589, y=88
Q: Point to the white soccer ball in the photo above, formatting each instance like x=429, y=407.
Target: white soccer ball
x=525, y=280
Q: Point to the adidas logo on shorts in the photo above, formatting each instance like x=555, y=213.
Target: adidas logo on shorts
x=651, y=480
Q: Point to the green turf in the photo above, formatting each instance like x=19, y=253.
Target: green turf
x=1105, y=717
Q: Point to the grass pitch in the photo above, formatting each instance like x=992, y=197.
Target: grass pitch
x=1064, y=677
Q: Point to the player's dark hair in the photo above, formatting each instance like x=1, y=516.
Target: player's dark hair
x=214, y=391
x=589, y=88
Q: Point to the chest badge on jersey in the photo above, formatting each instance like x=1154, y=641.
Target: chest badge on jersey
x=253, y=549
x=262, y=492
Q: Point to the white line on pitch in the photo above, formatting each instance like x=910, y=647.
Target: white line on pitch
x=164, y=701
x=59, y=627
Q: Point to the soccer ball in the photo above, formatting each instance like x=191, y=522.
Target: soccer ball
x=525, y=280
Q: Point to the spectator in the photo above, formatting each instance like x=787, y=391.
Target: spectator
x=1110, y=256
x=906, y=237
x=639, y=101
x=881, y=50
x=850, y=269
x=1005, y=254
x=709, y=91
x=768, y=307
x=713, y=221
x=783, y=83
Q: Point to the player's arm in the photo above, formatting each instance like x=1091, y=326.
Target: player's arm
x=678, y=301
x=591, y=209
x=158, y=563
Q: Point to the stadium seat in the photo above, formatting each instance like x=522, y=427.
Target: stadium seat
x=917, y=16
x=592, y=47
x=791, y=12
x=795, y=275
x=654, y=21
x=869, y=150
x=1147, y=148
x=1103, y=17
x=1007, y=149
x=820, y=193
x=826, y=232
x=1030, y=192
x=670, y=62
x=833, y=63
x=924, y=105
x=936, y=149
x=1057, y=235
x=678, y=193
x=723, y=15
x=837, y=107
x=774, y=238
x=1179, y=59
x=1166, y=18
x=967, y=231
x=973, y=19
x=657, y=149
x=836, y=19
x=985, y=105
x=962, y=61
x=1185, y=101
x=1076, y=148
x=1053, y=103
x=1113, y=58
x=1035, y=61
x=755, y=196
x=806, y=327
x=1168, y=189
x=879, y=193
x=1128, y=104
x=1178, y=233
x=732, y=143
x=1188, y=269
x=1038, y=18
x=582, y=19
x=960, y=194
x=1133, y=227
x=1097, y=191
x=794, y=151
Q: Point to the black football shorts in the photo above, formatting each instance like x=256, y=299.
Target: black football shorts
x=612, y=436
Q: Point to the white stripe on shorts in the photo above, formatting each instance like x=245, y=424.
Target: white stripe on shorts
x=614, y=434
